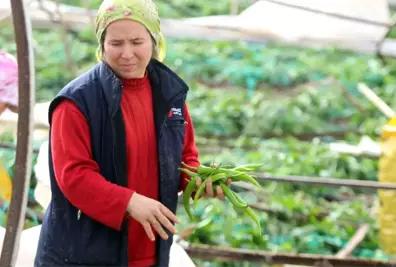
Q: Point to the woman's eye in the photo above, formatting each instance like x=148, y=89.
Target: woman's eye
x=116, y=44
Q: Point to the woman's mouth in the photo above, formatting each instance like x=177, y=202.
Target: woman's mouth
x=128, y=66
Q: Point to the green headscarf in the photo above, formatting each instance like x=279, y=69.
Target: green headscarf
x=143, y=11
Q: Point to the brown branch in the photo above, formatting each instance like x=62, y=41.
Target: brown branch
x=300, y=218
x=243, y=255
x=343, y=149
x=216, y=149
x=295, y=90
x=328, y=182
x=289, y=90
x=278, y=213
x=340, y=134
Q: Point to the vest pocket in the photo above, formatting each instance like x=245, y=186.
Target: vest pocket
x=171, y=150
x=94, y=244
x=174, y=132
x=175, y=123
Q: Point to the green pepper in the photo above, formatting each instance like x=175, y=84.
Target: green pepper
x=191, y=186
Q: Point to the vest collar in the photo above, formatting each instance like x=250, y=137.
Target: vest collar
x=166, y=85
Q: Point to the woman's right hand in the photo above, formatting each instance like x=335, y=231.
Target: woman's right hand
x=149, y=212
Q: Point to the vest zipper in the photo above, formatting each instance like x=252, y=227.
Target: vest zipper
x=114, y=146
x=114, y=161
x=114, y=151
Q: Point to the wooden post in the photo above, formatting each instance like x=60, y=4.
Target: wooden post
x=16, y=213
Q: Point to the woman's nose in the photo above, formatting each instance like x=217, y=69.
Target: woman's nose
x=128, y=51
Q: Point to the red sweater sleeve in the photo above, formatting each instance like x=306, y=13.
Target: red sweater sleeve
x=190, y=150
x=77, y=174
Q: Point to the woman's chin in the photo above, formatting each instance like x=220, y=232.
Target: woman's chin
x=131, y=73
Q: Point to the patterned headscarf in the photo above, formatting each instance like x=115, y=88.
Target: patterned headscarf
x=143, y=11
x=8, y=79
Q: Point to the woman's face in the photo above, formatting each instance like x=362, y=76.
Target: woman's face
x=128, y=48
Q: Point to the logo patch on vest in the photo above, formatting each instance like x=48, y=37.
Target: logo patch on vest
x=175, y=112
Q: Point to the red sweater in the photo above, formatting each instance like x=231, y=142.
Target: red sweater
x=78, y=174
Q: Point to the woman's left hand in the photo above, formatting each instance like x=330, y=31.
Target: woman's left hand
x=209, y=192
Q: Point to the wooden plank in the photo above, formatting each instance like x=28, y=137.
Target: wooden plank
x=358, y=237
x=243, y=255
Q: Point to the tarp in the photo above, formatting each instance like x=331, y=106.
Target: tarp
x=263, y=20
x=289, y=24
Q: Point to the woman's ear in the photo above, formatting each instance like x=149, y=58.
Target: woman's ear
x=154, y=53
x=102, y=46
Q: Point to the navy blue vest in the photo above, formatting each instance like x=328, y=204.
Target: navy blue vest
x=67, y=239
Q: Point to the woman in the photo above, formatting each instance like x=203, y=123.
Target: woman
x=118, y=136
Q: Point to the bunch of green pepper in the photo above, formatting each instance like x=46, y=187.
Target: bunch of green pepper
x=219, y=176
